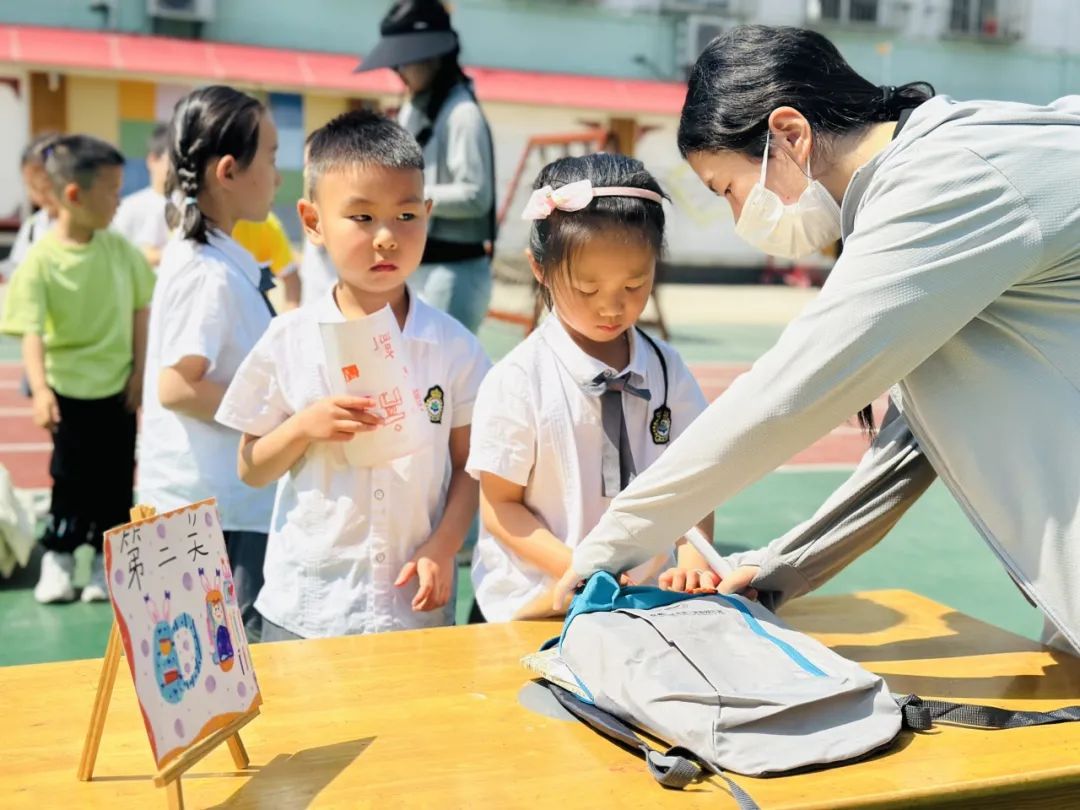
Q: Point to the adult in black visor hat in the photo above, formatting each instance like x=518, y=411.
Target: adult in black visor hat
x=443, y=115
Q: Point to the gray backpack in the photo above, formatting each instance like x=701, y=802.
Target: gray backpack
x=731, y=687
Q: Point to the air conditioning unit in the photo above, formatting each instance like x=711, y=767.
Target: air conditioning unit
x=187, y=10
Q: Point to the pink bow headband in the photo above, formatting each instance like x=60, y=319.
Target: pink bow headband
x=576, y=196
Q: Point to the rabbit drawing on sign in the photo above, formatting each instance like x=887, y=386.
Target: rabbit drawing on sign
x=170, y=681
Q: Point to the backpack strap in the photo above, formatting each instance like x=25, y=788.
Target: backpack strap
x=676, y=768
x=920, y=715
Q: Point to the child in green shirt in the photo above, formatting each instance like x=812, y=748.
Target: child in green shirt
x=79, y=301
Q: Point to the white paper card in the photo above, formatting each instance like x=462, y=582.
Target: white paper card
x=366, y=357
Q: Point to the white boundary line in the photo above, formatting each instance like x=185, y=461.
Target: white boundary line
x=35, y=492
x=26, y=447
x=703, y=369
x=837, y=466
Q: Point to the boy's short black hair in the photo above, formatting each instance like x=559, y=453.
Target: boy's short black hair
x=158, y=144
x=359, y=137
x=78, y=159
x=34, y=152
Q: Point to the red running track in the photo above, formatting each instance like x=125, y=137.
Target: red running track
x=25, y=449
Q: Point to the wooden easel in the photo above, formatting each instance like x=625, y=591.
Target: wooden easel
x=169, y=776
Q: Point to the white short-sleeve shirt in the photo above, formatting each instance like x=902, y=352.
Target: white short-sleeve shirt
x=206, y=303
x=141, y=218
x=341, y=534
x=536, y=425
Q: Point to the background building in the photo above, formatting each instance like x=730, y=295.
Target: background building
x=542, y=67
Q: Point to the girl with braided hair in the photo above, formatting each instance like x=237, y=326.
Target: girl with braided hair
x=210, y=308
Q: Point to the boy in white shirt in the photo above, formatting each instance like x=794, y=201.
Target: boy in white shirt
x=356, y=549
x=141, y=216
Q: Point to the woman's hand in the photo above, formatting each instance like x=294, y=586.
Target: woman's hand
x=674, y=579
x=702, y=581
x=563, y=592
x=690, y=581
x=738, y=581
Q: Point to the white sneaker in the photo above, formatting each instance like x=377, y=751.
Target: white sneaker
x=54, y=584
x=96, y=590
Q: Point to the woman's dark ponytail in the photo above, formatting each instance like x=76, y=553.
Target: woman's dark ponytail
x=208, y=123
x=448, y=75
x=894, y=100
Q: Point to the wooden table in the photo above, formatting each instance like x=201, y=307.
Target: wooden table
x=432, y=719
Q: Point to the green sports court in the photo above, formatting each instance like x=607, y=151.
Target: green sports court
x=719, y=330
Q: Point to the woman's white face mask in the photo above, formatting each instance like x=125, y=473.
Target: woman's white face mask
x=789, y=231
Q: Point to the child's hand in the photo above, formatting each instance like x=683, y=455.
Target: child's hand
x=435, y=571
x=46, y=410
x=133, y=393
x=338, y=419
x=689, y=581
x=701, y=581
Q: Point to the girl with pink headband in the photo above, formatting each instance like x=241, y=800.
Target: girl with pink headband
x=588, y=400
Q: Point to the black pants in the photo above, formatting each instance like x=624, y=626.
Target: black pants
x=476, y=616
x=93, y=472
x=247, y=551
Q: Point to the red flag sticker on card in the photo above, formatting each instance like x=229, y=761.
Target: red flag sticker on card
x=350, y=373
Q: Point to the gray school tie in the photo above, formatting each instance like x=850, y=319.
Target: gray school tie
x=618, y=459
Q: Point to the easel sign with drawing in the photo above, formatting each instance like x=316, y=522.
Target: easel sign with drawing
x=178, y=622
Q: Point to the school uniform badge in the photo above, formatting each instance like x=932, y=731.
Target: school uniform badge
x=660, y=427
x=433, y=404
